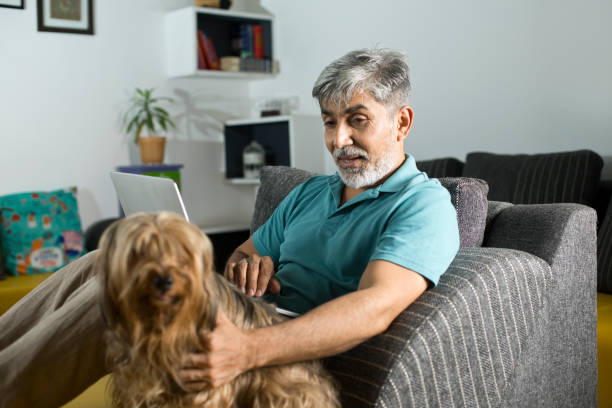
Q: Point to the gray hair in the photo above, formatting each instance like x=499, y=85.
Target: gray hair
x=382, y=73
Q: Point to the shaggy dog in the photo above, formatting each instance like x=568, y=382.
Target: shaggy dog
x=159, y=296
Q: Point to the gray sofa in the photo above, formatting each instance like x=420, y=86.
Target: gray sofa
x=560, y=177
x=511, y=323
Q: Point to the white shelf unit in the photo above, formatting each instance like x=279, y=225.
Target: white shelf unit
x=263, y=130
x=182, y=26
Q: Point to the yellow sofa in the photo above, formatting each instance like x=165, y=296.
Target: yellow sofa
x=604, y=348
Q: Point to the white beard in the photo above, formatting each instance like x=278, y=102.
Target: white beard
x=364, y=176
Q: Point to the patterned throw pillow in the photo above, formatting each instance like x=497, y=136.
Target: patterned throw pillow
x=40, y=231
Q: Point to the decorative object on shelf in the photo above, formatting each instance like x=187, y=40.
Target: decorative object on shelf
x=224, y=4
x=253, y=159
x=18, y=4
x=273, y=134
x=144, y=114
x=66, y=16
x=231, y=64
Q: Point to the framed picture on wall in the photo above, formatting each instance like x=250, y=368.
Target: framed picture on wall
x=12, y=3
x=66, y=16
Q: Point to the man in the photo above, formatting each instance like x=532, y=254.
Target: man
x=348, y=252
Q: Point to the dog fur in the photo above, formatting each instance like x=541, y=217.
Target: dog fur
x=149, y=330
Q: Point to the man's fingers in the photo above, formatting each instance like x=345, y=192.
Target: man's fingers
x=194, y=360
x=266, y=271
x=253, y=274
x=192, y=375
x=229, y=271
x=274, y=286
x=242, y=275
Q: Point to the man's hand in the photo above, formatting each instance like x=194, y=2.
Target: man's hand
x=253, y=275
x=227, y=357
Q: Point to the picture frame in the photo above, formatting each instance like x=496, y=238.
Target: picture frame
x=66, y=16
x=17, y=4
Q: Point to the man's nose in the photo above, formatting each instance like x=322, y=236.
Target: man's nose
x=343, y=136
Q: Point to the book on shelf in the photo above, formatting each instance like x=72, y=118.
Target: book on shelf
x=258, y=41
x=208, y=49
x=201, y=58
x=246, y=33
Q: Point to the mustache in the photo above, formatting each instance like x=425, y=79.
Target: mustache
x=348, y=151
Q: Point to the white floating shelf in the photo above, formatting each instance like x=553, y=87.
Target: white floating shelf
x=243, y=181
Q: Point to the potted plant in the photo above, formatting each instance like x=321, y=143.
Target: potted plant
x=143, y=117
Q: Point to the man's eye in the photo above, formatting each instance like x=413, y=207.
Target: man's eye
x=329, y=123
x=358, y=121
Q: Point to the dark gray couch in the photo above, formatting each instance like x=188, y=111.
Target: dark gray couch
x=511, y=323
x=561, y=177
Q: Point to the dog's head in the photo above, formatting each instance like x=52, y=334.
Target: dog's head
x=154, y=269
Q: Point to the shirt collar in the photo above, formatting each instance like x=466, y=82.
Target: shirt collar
x=401, y=177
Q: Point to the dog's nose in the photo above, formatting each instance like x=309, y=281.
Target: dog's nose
x=163, y=283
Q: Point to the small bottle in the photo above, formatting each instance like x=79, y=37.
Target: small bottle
x=253, y=159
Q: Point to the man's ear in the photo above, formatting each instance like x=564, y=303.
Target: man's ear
x=404, y=122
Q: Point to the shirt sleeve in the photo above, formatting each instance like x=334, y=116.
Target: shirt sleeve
x=269, y=236
x=422, y=234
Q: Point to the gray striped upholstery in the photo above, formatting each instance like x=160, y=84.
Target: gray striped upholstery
x=459, y=343
x=469, y=197
x=568, y=177
x=446, y=167
x=604, y=253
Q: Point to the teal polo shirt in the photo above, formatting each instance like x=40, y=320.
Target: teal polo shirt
x=320, y=249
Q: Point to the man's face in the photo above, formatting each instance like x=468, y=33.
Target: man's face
x=362, y=139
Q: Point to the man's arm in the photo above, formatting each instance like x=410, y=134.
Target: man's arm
x=385, y=289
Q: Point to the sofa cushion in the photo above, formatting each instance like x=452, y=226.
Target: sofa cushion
x=40, y=231
x=469, y=197
x=567, y=177
x=275, y=183
x=446, y=167
x=604, y=253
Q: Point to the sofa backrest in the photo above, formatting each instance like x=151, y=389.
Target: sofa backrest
x=566, y=177
x=445, y=167
x=468, y=196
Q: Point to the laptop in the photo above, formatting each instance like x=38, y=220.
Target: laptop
x=138, y=193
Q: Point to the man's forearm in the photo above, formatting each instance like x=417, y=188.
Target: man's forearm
x=329, y=329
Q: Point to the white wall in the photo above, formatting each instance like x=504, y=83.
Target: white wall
x=61, y=96
x=506, y=76
x=516, y=76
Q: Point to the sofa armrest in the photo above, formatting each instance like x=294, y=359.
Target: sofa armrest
x=457, y=344
x=94, y=232
x=547, y=231
x=563, y=235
